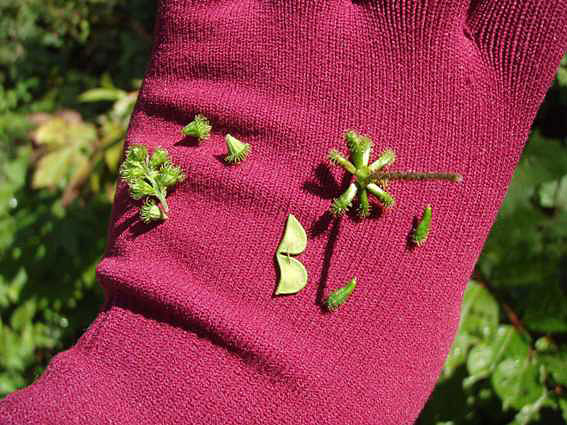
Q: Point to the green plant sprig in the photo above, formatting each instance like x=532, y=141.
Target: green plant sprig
x=370, y=179
x=150, y=176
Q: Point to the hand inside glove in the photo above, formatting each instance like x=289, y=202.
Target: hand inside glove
x=191, y=331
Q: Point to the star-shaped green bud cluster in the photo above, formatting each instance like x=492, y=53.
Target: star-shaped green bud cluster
x=360, y=148
x=371, y=179
x=150, y=176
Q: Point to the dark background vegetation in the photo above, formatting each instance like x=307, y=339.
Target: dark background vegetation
x=69, y=71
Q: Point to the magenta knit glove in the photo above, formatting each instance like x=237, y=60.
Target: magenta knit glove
x=191, y=331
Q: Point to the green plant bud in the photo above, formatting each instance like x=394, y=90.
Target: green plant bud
x=137, y=153
x=151, y=212
x=237, y=150
x=343, y=203
x=159, y=157
x=169, y=175
x=340, y=296
x=423, y=227
x=384, y=197
x=141, y=188
x=387, y=158
x=199, y=128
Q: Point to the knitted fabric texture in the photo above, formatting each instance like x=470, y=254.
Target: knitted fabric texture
x=190, y=332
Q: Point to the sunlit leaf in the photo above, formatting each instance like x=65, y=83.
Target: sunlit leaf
x=516, y=381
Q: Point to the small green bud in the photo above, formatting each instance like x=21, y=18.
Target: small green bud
x=356, y=142
x=170, y=174
x=340, y=296
x=341, y=204
x=151, y=212
x=423, y=227
x=199, y=128
x=384, y=197
x=237, y=151
x=159, y=157
x=141, y=188
x=137, y=153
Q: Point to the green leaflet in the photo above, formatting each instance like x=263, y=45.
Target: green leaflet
x=293, y=275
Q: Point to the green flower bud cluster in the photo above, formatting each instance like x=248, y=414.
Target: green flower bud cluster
x=150, y=176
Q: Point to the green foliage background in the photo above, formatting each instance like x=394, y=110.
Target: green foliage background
x=69, y=71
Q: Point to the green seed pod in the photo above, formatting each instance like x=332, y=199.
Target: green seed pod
x=237, y=151
x=423, y=227
x=151, y=212
x=343, y=203
x=340, y=296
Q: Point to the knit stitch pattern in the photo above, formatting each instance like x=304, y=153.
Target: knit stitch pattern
x=190, y=332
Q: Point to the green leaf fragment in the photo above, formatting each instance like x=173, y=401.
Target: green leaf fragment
x=293, y=275
x=422, y=229
x=480, y=313
x=237, y=150
x=199, y=128
x=340, y=296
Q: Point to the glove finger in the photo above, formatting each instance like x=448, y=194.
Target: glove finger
x=523, y=40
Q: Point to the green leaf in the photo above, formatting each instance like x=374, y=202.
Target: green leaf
x=294, y=239
x=23, y=315
x=556, y=364
x=553, y=194
x=458, y=354
x=102, y=94
x=485, y=357
x=516, y=381
x=479, y=312
x=544, y=307
x=563, y=406
x=293, y=275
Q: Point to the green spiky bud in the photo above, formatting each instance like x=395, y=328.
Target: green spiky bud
x=199, y=128
x=357, y=142
x=341, y=204
x=170, y=174
x=359, y=147
x=336, y=158
x=422, y=229
x=137, y=153
x=150, y=211
x=141, y=188
x=364, y=205
x=384, y=197
x=159, y=157
x=387, y=158
x=237, y=150
x=340, y=296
